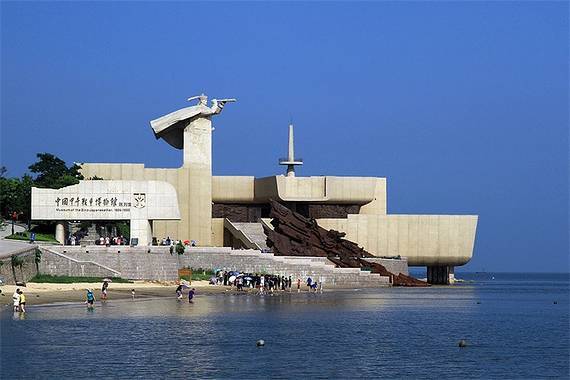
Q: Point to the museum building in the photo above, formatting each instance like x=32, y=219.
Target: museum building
x=189, y=203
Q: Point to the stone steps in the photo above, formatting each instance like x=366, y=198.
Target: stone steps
x=157, y=263
x=254, y=232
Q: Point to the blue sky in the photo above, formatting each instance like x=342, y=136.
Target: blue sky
x=463, y=106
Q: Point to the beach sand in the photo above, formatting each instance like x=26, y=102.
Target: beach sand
x=44, y=293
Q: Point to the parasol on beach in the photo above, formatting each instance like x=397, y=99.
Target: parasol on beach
x=232, y=278
x=107, y=280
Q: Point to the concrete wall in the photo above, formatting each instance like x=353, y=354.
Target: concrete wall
x=56, y=264
x=25, y=273
x=425, y=240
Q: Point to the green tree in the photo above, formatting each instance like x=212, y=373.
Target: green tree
x=52, y=172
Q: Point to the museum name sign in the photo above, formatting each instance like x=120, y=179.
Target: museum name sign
x=107, y=200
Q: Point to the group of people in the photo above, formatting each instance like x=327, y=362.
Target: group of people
x=113, y=240
x=180, y=292
x=167, y=241
x=90, y=295
x=19, y=299
x=264, y=283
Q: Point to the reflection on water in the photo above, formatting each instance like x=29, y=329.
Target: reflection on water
x=512, y=326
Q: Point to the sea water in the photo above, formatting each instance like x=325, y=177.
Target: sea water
x=515, y=326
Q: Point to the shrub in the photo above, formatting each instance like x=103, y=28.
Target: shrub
x=180, y=248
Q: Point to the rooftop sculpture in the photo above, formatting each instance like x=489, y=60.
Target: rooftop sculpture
x=171, y=127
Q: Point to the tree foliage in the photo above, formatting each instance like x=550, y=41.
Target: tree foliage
x=50, y=172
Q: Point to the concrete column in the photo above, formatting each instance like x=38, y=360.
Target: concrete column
x=60, y=232
x=440, y=275
x=198, y=162
x=141, y=230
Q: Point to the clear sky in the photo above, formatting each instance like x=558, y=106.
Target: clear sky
x=463, y=106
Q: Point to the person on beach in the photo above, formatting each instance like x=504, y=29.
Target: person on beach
x=90, y=299
x=16, y=299
x=298, y=285
x=104, y=290
x=191, y=295
x=179, y=292
x=310, y=283
x=22, y=302
x=133, y=293
x=261, y=284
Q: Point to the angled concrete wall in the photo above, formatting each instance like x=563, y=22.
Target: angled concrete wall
x=425, y=240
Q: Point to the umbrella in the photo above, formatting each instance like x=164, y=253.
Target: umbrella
x=232, y=278
x=248, y=278
x=185, y=283
x=107, y=280
x=186, y=242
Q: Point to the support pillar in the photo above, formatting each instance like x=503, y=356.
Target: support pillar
x=441, y=275
x=198, y=162
x=60, y=232
x=141, y=229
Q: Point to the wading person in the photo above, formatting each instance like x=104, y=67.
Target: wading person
x=191, y=295
x=22, y=302
x=90, y=298
x=104, y=290
x=16, y=299
x=179, y=292
x=298, y=285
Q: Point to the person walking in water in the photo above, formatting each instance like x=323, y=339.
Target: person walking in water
x=191, y=295
x=298, y=285
x=16, y=299
x=22, y=302
x=90, y=299
x=179, y=291
x=104, y=290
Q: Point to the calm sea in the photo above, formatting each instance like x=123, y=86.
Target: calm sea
x=513, y=327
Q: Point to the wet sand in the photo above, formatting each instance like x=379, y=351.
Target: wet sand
x=39, y=294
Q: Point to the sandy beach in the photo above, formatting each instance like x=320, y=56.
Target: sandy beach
x=44, y=293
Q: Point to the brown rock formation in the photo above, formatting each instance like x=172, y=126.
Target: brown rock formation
x=295, y=235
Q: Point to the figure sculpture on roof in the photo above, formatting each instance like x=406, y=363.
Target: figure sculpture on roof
x=170, y=127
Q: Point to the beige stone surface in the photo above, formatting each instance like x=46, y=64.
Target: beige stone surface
x=424, y=239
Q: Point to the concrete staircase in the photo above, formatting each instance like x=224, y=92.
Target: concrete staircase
x=156, y=263
x=255, y=234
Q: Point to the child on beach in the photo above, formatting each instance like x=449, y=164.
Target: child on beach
x=90, y=298
x=133, y=293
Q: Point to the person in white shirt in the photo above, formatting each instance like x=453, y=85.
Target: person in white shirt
x=16, y=299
